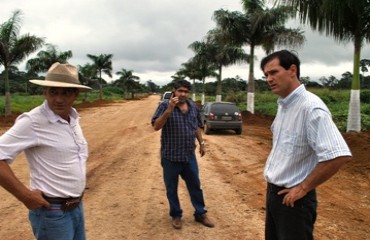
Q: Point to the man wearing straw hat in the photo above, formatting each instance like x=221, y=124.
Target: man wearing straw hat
x=56, y=151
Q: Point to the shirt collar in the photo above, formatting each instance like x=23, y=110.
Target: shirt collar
x=52, y=117
x=285, y=102
x=189, y=105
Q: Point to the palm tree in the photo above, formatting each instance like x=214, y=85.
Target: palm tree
x=204, y=67
x=14, y=49
x=258, y=26
x=88, y=75
x=189, y=69
x=102, y=64
x=152, y=86
x=222, y=54
x=364, y=64
x=345, y=20
x=46, y=58
x=178, y=75
x=127, y=81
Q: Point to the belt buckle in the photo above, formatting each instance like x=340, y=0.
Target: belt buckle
x=70, y=204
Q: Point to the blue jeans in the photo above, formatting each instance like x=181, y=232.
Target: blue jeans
x=290, y=223
x=56, y=224
x=190, y=174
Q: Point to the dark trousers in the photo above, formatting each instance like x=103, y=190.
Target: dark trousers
x=289, y=223
x=190, y=174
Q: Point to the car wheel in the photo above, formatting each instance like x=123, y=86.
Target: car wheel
x=206, y=129
x=238, y=131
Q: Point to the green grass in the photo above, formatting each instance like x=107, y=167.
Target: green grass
x=265, y=103
x=23, y=103
x=336, y=100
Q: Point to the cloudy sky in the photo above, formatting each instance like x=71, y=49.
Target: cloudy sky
x=151, y=37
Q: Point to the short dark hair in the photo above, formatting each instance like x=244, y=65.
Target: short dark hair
x=182, y=83
x=286, y=59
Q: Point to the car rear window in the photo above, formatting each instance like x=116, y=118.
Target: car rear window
x=167, y=95
x=222, y=108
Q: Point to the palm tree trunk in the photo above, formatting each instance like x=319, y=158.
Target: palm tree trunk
x=8, y=110
x=203, y=95
x=251, y=84
x=219, y=87
x=194, y=93
x=100, y=86
x=354, y=111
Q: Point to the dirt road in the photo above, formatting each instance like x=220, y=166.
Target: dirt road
x=125, y=196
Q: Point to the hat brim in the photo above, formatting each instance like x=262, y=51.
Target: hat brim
x=47, y=83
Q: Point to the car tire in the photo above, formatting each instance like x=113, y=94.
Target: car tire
x=206, y=129
x=238, y=131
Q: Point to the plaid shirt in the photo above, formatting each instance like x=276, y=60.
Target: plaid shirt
x=179, y=132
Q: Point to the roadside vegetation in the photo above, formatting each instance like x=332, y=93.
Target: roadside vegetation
x=336, y=100
x=265, y=102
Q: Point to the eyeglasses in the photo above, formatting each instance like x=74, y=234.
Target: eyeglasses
x=65, y=92
x=182, y=91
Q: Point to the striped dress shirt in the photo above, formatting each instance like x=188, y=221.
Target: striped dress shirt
x=55, y=149
x=303, y=135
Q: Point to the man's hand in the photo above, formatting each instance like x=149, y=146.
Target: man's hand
x=292, y=195
x=172, y=102
x=35, y=200
x=31, y=199
x=322, y=172
x=202, y=150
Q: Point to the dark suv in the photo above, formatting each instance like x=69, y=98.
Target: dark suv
x=221, y=115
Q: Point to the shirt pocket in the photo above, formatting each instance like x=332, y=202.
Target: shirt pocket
x=288, y=142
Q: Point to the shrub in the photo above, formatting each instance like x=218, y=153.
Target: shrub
x=327, y=99
x=365, y=96
x=109, y=91
x=365, y=122
x=236, y=97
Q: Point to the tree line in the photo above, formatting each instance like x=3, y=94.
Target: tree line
x=260, y=26
x=256, y=26
x=15, y=48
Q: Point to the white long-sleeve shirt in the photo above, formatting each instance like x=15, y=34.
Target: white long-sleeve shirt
x=55, y=149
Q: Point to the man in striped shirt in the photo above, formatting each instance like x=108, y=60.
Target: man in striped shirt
x=180, y=122
x=307, y=150
x=56, y=150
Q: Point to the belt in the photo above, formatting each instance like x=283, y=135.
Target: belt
x=67, y=203
x=274, y=188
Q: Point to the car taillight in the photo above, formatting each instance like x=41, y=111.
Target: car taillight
x=239, y=116
x=211, y=116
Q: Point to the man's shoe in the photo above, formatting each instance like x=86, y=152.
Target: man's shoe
x=203, y=219
x=177, y=223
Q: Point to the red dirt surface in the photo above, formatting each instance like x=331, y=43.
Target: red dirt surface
x=125, y=195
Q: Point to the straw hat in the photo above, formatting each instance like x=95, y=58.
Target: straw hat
x=62, y=75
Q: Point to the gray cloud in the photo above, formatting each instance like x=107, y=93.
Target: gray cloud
x=150, y=37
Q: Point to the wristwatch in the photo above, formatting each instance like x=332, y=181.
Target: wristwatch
x=203, y=142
